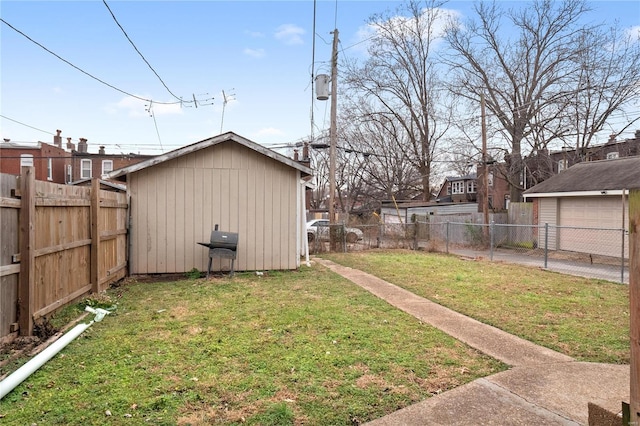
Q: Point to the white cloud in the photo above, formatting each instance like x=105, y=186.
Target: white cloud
x=290, y=34
x=254, y=34
x=634, y=33
x=139, y=108
x=268, y=131
x=255, y=53
x=366, y=32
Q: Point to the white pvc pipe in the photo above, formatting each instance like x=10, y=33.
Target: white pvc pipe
x=18, y=376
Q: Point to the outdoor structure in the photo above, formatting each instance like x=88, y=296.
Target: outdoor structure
x=178, y=198
x=458, y=189
x=50, y=161
x=587, y=195
x=86, y=165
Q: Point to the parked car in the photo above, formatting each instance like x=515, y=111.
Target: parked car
x=319, y=228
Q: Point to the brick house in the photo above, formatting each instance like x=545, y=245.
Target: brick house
x=85, y=165
x=50, y=161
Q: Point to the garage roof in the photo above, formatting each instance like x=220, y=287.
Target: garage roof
x=229, y=136
x=604, y=175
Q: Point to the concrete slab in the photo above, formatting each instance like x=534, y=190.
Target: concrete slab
x=544, y=387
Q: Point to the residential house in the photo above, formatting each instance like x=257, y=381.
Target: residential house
x=85, y=165
x=458, y=189
x=586, y=195
x=50, y=161
x=178, y=198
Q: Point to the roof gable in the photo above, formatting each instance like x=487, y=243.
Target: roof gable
x=229, y=136
x=604, y=175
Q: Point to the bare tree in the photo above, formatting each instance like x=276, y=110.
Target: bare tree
x=557, y=80
x=401, y=82
x=381, y=162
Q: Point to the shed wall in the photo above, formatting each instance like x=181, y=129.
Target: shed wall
x=177, y=203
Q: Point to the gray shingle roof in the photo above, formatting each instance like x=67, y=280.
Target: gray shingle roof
x=605, y=175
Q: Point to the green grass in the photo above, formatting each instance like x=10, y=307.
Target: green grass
x=587, y=319
x=305, y=347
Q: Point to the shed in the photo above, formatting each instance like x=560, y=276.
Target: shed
x=587, y=195
x=179, y=197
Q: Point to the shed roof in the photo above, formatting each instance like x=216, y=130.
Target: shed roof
x=206, y=143
x=604, y=175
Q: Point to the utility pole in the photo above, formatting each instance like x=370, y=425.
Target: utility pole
x=333, y=130
x=485, y=168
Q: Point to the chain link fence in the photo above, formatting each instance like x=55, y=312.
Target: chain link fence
x=593, y=252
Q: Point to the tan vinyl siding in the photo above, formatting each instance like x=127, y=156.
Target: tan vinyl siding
x=548, y=213
x=177, y=203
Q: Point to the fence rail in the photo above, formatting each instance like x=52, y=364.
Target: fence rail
x=594, y=252
x=59, y=243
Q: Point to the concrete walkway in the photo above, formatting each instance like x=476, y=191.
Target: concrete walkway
x=543, y=387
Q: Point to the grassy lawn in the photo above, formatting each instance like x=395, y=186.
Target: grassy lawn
x=587, y=319
x=304, y=347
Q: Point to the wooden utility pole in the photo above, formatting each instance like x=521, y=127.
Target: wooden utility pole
x=333, y=129
x=485, y=173
x=634, y=303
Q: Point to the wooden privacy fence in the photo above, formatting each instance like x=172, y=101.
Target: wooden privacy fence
x=59, y=243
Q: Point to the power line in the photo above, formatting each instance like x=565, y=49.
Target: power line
x=26, y=125
x=140, y=53
x=80, y=69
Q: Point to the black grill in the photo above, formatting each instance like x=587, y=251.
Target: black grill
x=223, y=245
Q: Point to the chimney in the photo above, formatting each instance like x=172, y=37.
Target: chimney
x=101, y=150
x=70, y=146
x=295, y=155
x=637, y=134
x=305, y=152
x=57, y=139
x=82, y=145
x=612, y=138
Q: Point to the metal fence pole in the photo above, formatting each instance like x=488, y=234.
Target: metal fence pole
x=622, y=259
x=447, y=245
x=491, y=231
x=546, y=244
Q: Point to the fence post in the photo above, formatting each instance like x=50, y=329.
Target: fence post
x=634, y=303
x=447, y=245
x=95, y=235
x=622, y=257
x=491, y=230
x=546, y=244
x=27, y=253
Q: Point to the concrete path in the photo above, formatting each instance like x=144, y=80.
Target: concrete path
x=543, y=387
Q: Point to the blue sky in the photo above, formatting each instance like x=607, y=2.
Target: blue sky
x=258, y=52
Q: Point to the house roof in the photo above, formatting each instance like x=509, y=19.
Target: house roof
x=604, y=175
x=188, y=149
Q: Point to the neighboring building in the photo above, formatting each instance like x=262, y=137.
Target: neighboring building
x=179, y=197
x=85, y=165
x=460, y=189
x=50, y=161
x=587, y=195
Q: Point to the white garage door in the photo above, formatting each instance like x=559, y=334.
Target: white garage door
x=577, y=213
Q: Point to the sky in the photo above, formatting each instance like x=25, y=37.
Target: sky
x=259, y=56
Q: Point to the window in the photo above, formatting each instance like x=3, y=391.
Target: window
x=457, y=187
x=471, y=187
x=107, y=166
x=26, y=160
x=562, y=165
x=490, y=178
x=69, y=174
x=85, y=173
x=612, y=155
x=50, y=169
x=449, y=189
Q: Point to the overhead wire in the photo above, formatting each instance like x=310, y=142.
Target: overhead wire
x=81, y=70
x=140, y=53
